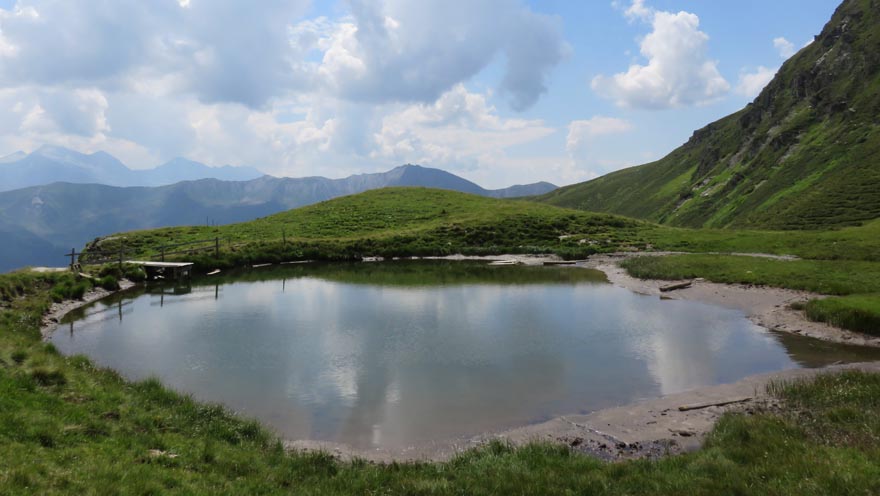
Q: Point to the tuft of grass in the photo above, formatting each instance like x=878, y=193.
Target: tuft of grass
x=860, y=313
x=70, y=287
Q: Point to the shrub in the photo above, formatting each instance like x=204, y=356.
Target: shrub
x=108, y=282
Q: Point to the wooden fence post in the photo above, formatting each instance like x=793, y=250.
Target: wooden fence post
x=217, y=247
x=121, y=256
x=72, y=258
x=163, y=253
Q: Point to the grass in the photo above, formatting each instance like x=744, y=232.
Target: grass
x=398, y=222
x=859, y=313
x=857, y=308
x=67, y=426
x=836, y=277
x=851, y=243
x=419, y=221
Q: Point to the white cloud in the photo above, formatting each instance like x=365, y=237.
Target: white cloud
x=637, y=10
x=678, y=71
x=227, y=51
x=220, y=51
x=456, y=132
x=229, y=82
x=751, y=83
x=785, y=48
x=582, y=140
x=396, y=50
x=599, y=125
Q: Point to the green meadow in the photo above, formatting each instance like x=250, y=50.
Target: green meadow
x=67, y=426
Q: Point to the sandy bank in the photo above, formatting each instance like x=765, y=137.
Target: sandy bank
x=647, y=429
x=765, y=306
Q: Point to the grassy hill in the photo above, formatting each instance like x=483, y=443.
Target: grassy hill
x=400, y=222
x=422, y=221
x=41, y=222
x=804, y=154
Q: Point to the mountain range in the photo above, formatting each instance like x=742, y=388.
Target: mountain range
x=49, y=164
x=804, y=154
x=40, y=223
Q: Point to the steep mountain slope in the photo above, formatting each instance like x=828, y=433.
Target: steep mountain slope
x=50, y=164
x=804, y=154
x=69, y=215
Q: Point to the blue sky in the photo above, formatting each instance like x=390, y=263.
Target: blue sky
x=498, y=91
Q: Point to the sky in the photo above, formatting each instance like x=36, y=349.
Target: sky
x=498, y=91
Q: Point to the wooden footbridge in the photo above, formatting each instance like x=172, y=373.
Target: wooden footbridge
x=157, y=271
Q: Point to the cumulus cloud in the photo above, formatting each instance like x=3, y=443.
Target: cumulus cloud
x=580, y=130
x=785, y=48
x=397, y=50
x=224, y=81
x=455, y=131
x=228, y=51
x=581, y=143
x=678, y=71
x=221, y=51
x=751, y=83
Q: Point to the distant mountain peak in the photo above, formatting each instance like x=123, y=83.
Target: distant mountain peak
x=55, y=151
x=13, y=157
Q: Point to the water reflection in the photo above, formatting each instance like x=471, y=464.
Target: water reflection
x=402, y=353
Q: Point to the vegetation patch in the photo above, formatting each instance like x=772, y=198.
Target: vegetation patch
x=835, y=277
x=860, y=313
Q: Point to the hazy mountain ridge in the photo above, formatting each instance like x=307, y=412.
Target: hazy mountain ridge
x=50, y=164
x=804, y=154
x=51, y=219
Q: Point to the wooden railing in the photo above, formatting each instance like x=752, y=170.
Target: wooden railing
x=100, y=257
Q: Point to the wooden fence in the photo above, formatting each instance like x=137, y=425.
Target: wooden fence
x=100, y=257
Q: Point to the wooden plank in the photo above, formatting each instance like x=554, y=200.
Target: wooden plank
x=700, y=406
x=673, y=287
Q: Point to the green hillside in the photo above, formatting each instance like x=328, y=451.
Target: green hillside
x=401, y=221
x=804, y=154
x=421, y=221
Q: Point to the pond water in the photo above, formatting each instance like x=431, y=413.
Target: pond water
x=397, y=354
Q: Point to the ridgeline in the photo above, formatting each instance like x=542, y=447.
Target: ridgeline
x=804, y=155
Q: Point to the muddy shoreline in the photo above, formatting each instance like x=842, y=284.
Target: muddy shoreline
x=52, y=317
x=646, y=429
